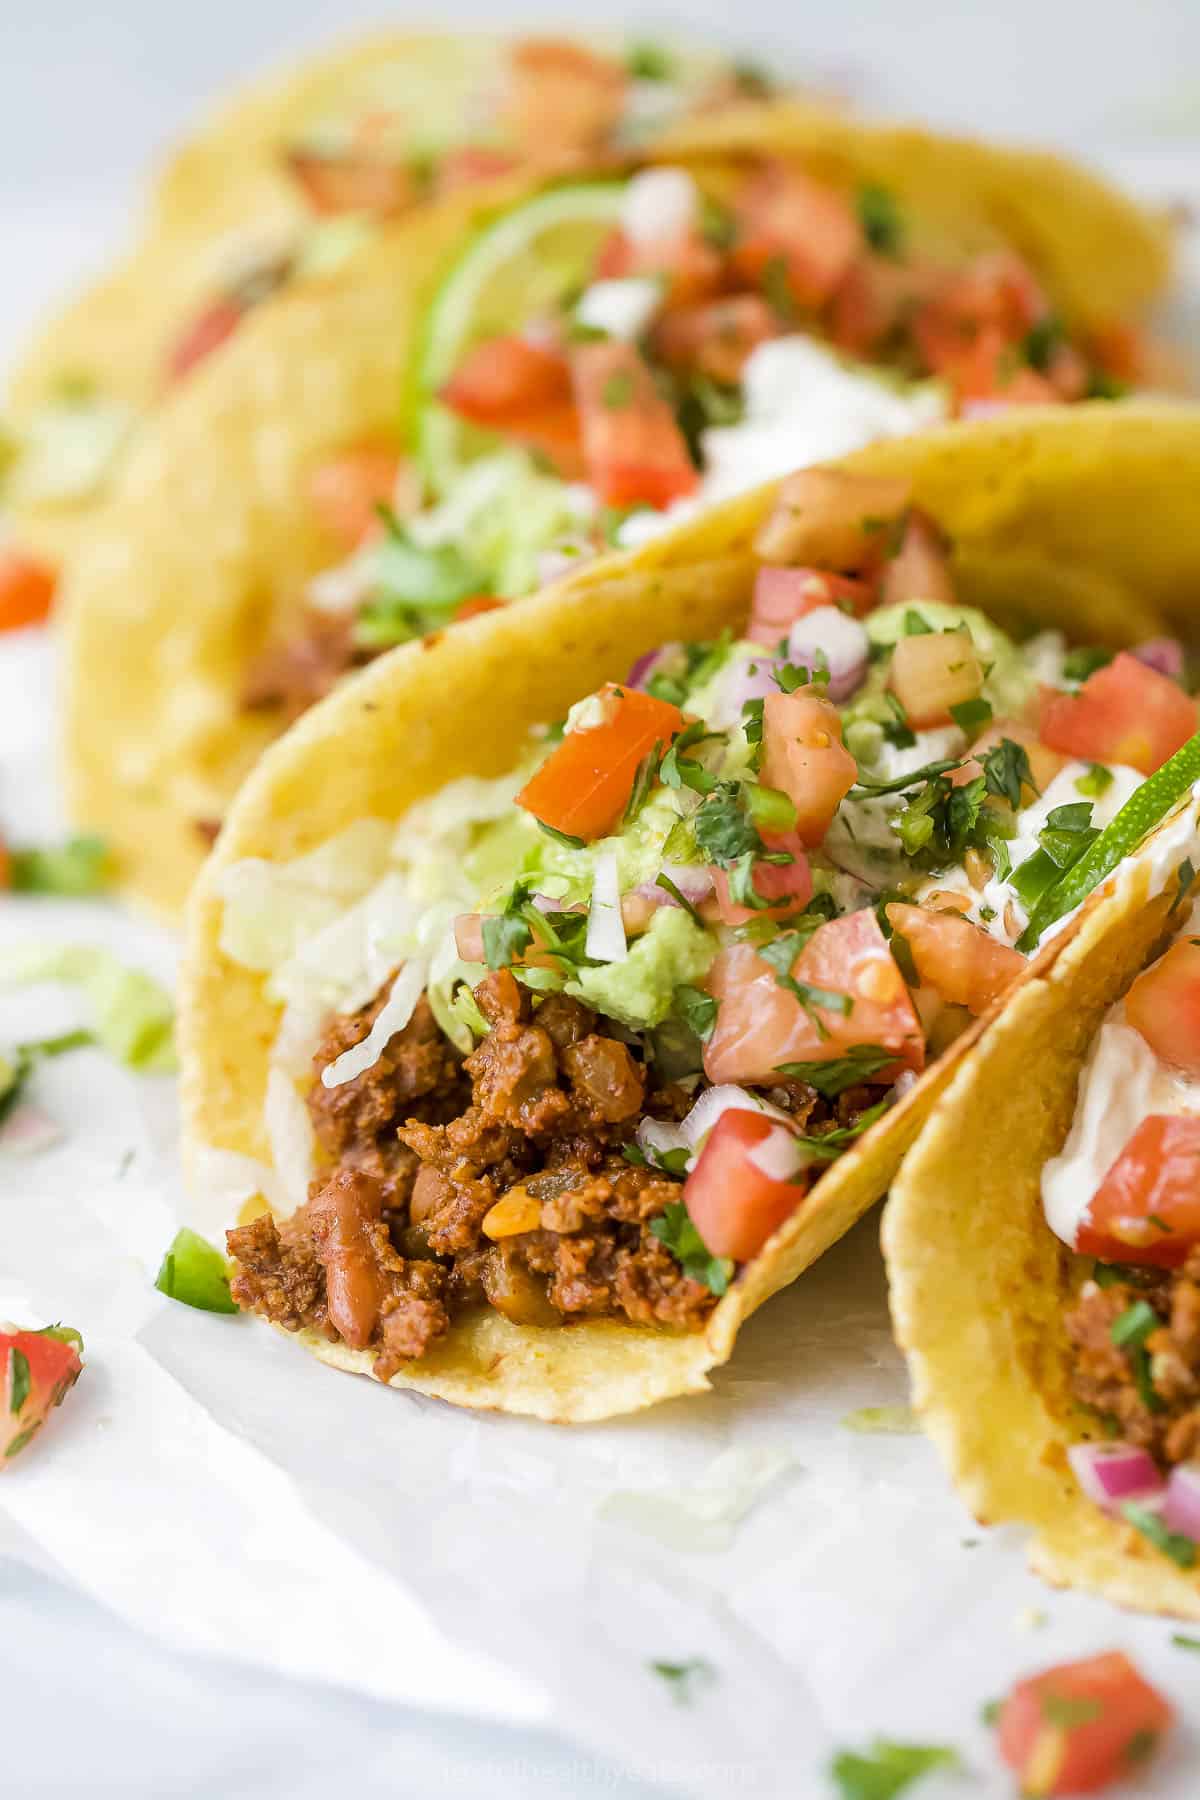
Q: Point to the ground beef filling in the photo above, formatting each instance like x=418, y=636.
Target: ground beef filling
x=499, y=1178
x=1151, y=1391
x=295, y=672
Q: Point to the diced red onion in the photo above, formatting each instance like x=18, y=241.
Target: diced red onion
x=1162, y=653
x=546, y=903
x=779, y=1156
x=693, y=880
x=605, y=940
x=1110, y=1474
x=1181, y=1509
x=28, y=1129
x=830, y=633
x=745, y=679
x=645, y=666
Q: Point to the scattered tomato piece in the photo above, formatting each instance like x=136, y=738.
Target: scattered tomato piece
x=1147, y=1208
x=1078, y=1728
x=781, y=596
x=920, y=569
x=966, y=966
x=826, y=519
x=633, y=448
x=584, y=785
x=206, y=333
x=734, y=1205
x=715, y=339
x=353, y=182
x=932, y=672
x=38, y=1370
x=802, y=227
x=1124, y=713
x=26, y=590
x=506, y=379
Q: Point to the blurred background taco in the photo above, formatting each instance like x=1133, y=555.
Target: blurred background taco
x=568, y=982
x=498, y=388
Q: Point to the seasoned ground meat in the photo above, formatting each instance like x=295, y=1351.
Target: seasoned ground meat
x=1152, y=1391
x=301, y=670
x=417, y=1076
x=498, y=1179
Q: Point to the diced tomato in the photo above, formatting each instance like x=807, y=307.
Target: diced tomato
x=26, y=590
x=1125, y=713
x=346, y=491
x=206, y=333
x=789, y=885
x=932, y=672
x=562, y=96
x=1044, y=763
x=826, y=519
x=735, y=1205
x=691, y=269
x=478, y=603
x=803, y=754
x=875, y=301
x=781, y=596
x=996, y=294
x=920, y=569
x=37, y=1370
x=469, y=166
x=507, y=379
x=803, y=227
x=958, y=959
x=6, y=866
x=1147, y=1208
x=1120, y=350
x=633, y=449
x=1164, y=1005
x=524, y=391
x=715, y=340
x=761, y=1024
x=584, y=785
x=1078, y=1728
x=354, y=182
x=988, y=372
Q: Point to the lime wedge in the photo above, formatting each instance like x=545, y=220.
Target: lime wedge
x=524, y=264
x=1144, y=809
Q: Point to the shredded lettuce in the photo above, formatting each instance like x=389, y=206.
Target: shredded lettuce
x=132, y=1014
x=272, y=908
x=503, y=515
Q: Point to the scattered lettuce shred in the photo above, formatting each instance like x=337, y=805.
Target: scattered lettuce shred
x=132, y=1014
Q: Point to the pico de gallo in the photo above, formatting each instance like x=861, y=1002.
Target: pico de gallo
x=640, y=995
x=1125, y=1194
x=690, y=346
x=37, y=1371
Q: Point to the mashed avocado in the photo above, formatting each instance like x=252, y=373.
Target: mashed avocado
x=639, y=991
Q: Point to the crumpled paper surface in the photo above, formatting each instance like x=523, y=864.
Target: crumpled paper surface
x=214, y=1486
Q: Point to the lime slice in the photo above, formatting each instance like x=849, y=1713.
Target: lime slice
x=1121, y=836
x=524, y=265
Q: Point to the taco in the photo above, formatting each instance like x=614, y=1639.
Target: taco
x=1046, y=1280
x=574, y=978
x=286, y=183
x=584, y=366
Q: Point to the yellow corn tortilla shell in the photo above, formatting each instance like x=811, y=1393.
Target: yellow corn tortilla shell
x=979, y=1283
x=393, y=735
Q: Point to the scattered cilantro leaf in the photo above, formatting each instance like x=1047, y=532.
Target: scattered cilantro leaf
x=897, y=730
x=829, y=1145
x=678, y=771
x=1180, y=1549
x=857, y=1067
x=19, y=1380
x=887, y=1768
x=1097, y=781
x=1006, y=771
x=771, y=810
x=722, y=826
x=663, y=880
x=674, y=1229
x=683, y=1678
x=561, y=837
x=643, y=781
x=1044, y=338
x=880, y=218
x=698, y=1010
x=900, y=784
x=1185, y=874
x=1134, y=1325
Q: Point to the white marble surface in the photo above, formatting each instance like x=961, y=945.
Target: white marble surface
x=852, y=1598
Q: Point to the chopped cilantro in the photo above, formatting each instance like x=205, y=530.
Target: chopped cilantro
x=701, y=402
x=881, y=219
x=1185, y=874
x=899, y=784
x=19, y=1380
x=790, y=676
x=643, y=781
x=683, y=1678
x=1034, y=877
x=1180, y=1549
x=717, y=224
x=897, y=729
x=913, y=625
x=1006, y=771
x=887, y=1768
x=79, y=866
x=1079, y=664
x=1134, y=1325
x=829, y=1145
x=1182, y=1641
x=1068, y=833
x=697, y=1009
x=989, y=1712
x=617, y=391
x=561, y=837
x=752, y=721
x=1141, y=1745
x=674, y=1228
x=1097, y=781
x=663, y=880
x=1042, y=341
x=507, y=934
x=679, y=771
x=858, y=1066
x=987, y=913
x=971, y=715
x=722, y=826
x=1070, y=1710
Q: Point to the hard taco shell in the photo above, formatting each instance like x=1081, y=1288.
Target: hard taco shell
x=1021, y=497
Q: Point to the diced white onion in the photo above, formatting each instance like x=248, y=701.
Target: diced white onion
x=622, y=309
x=27, y=1129
x=659, y=204
x=779, y=1156
x=394, y=1015
x=840, y=640
x=722, y=1099
x=605, y=940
